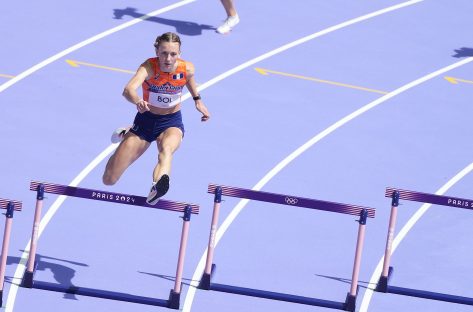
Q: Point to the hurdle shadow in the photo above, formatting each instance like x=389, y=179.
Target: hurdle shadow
x=182, y=27
x=62, y=274
x=347, y=281
x=463, y=52
x=12, y=261
x=188, y=280
x=170, y=278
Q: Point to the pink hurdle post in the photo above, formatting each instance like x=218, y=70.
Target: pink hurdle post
x=207, y=276
x=350, y=302
x=5, y=245
x=175, y=295
x=358, y=252
x=390, y=237
x=182, y=249
x=28, y=278
x=213, y=230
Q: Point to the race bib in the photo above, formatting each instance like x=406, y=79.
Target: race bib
x=164, y=100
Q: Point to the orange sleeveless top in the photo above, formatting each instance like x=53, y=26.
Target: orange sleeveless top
x=165, y=89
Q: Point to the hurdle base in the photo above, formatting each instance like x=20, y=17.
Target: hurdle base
x=27, y=279
x=206, y=284
x=383, y=286
x=383, y=282
x=276, y=296
x=350, y=301
x=429, y=295
x=207, y=278
x=174, y=300
x=98, y=293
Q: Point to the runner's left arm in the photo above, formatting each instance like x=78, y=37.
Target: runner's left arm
x=192, y=87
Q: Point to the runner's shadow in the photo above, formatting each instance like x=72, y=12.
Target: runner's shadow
x=62, y=274
x=463, y=52
x=182, y=27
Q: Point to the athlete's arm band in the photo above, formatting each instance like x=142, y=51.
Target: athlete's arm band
x=196, y=98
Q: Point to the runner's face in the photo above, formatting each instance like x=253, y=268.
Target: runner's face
x=168, y=53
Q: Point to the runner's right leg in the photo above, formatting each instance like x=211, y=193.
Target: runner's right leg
x=129, y=150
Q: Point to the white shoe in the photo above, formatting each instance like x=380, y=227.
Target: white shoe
x=119, y=134
x=229, y=23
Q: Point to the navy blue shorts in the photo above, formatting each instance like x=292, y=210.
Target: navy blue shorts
x=149, y=126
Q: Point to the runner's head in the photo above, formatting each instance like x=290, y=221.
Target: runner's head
x=168, y=50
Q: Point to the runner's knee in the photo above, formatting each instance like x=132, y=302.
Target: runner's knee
x=166, y=150
x=109, y=179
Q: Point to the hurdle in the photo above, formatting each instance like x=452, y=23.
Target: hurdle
x=10, y=206
x=210, y=267
x=28, y=281
x=383, y=283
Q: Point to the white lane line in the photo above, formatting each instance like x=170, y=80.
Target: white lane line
x=403, y=232
x=9, y=305
x=241, y=204
x=82, y=44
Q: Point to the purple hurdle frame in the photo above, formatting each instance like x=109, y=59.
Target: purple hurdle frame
x=383, y=283
x=210, y=267
x=10, y=206
x=28, y=281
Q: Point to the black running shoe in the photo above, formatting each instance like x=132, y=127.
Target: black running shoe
x=158, y=190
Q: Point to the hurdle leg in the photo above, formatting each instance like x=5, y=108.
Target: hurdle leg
x=28, y=275
x=350, y=302
x=209, y=267
x=5, y=245
x=383, y=281
x=174, y=296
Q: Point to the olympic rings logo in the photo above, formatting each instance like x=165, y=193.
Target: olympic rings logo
x=291, y=200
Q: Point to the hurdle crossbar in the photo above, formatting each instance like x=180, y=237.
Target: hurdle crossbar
x=43, y=187
x=119, y=198
x=10, y=206
x=4, y=203
x=430, y=198
x=210, y=268
x=291, y=200
x=387, y=272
